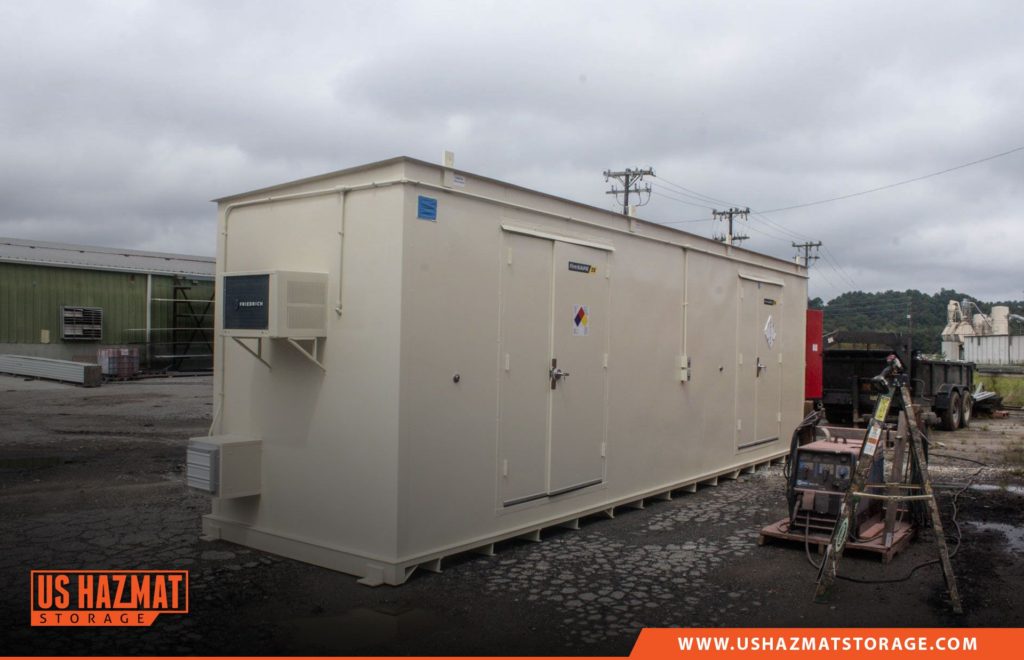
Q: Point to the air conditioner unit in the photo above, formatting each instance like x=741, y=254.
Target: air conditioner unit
x=275, y=304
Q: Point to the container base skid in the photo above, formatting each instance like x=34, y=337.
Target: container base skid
x=375, y=571
x=903, y=534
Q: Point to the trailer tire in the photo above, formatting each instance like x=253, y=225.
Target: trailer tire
x=951, y=415
x=966, y=412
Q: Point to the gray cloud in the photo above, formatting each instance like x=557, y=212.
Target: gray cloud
x=119, y=122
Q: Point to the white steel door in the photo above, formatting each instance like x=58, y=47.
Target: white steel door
x=552, y=387
x=524, y=359
x=579, y=340
x=758, y=370
x=769, y=379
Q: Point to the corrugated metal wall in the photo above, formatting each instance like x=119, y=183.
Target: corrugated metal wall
x=31, y=298
x=994, y=349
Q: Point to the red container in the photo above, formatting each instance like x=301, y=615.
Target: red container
x=812, y=372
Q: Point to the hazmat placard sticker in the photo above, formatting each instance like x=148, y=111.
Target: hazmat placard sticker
x=769, y=331
x=580, y=320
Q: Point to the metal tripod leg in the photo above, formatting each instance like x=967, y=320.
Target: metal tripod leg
x=917, y=449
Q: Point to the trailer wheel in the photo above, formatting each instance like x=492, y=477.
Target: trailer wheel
x=966, y=404
x=951, y=415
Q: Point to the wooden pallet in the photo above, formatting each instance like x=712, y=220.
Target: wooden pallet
x=903, y=533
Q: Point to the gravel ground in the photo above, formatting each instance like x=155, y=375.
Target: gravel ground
x=93, y=478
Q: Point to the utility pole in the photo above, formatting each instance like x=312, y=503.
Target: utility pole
x=630, y=179
x=806, y=247
x=730, y=238
x=910, y=329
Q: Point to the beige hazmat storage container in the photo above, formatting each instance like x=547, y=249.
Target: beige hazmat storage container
x=433, y=361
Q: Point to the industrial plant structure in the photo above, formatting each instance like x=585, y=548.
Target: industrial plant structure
x=985, y=339
x=67, y=302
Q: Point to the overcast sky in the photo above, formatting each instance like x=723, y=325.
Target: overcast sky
x=120, y=120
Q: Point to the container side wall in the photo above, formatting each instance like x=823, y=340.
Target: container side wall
x=664, y=302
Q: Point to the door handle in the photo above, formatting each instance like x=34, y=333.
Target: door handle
x=760, y=368
x=556, y=374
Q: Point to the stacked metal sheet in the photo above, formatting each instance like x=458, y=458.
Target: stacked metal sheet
x=89, y=375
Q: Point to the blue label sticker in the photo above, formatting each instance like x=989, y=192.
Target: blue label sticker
x=427, y=209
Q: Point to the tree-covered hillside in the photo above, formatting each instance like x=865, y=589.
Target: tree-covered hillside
x=888, y=311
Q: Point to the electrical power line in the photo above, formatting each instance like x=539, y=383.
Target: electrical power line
x=681, y=201
x=893, y=185
x=821, y=274
x=683, y=222
x=842, y=271
x=838, y=271
x=767, y=234
x=693, y=193
x=831, y=259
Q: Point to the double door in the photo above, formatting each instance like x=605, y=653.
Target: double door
x=554, y=303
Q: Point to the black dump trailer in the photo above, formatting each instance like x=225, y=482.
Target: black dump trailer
x=852, y=359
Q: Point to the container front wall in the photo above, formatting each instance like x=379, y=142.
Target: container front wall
x=329, y=467
x=491, y=445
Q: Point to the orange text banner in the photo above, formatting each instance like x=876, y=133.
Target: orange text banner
x=862, y=643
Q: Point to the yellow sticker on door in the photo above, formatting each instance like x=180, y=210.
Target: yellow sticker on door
x=580, y=320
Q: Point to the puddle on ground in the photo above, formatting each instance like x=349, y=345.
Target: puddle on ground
x=30, y=462
x=1016, y=490
x=1014, y=535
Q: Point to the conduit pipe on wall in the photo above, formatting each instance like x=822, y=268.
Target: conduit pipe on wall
x=342, y=191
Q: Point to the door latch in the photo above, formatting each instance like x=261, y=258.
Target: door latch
x=760, y=367
x=556, y=374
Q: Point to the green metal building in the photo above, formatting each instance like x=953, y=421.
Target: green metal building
x=68, y=301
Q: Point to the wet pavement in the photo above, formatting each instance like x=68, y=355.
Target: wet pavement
x=94, y=479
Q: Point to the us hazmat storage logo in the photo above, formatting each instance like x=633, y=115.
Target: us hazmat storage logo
x=106, y=598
